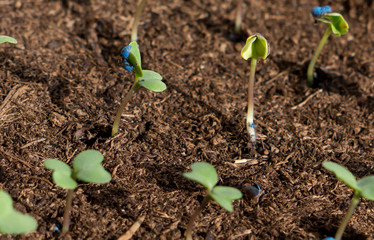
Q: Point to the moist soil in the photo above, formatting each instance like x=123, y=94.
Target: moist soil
x=62, y=84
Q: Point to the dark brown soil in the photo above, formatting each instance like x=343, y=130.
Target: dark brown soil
x=61, y=85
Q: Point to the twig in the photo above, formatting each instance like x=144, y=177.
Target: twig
x=306, y=100
x=128, y=235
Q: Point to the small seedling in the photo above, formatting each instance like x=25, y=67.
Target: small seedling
x=362, y=188
x=86, y=167
x=238, y=17
x=6, y=39
x=135, y=23
x=143, y=78
x=12, y=221
x=336, y=24
x=205, y=174
x=255, y=47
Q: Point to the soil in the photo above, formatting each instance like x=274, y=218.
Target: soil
x=62, y=84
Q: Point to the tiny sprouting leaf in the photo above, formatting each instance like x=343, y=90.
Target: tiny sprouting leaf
x=62, y=174
x=225, y=195
x=12, y=221
x=152, y=81
x=4, y=39
x=203, y=173
x=135, y=50
x=256, y=46
x=342, y=173
x=366, y=185
x=87, y=167
x=337, y=23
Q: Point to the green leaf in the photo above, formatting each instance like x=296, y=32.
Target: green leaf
x=4, y=39
x=343, y=174
x=152, y=81
x=225, y=195
x=12, y=221
x=336, y=22
x=61, y=173
x=366, y=185
x=87, y=167
x=135, y=50
x=256, y=46
x=203, y=173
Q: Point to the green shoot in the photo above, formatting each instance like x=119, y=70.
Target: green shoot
x=205, y=174
x=135, y=23
x=12, y=221
x=6, y=39
x=338, y=26
x=86, y=167
x=255, y=47
x=143, y=78
x=362, y=188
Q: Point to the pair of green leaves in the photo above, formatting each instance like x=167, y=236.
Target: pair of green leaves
x=256, y=46
x=7, y=39
x=205, y=174
x=12, y=221
x=151, y=80
x=364, y=187
x=336, y=22
x=87, y=167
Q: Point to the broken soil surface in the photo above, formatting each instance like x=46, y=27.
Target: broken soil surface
x=61, y=85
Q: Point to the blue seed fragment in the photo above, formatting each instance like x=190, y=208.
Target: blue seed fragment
x=125, y=52
x=318, y=11
x=253, y=191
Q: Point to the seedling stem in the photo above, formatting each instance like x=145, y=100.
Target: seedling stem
x=134, y=33
x=343, y=225
x=197, y=212
x=67, y=211
x=239, y=17
x=310, y=71
x=250, y=125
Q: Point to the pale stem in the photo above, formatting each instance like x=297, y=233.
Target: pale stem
x=188, y=233
x=239, y=16
x=134, y=33
x=117, y=120
x=250, y=125
x=343, y=225
x=67, y=211
x=310, y=79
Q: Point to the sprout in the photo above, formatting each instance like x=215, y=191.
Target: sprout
x=86, y=167
x=255, y=47
x=135, y=23
x=6, y=39
x=11, y=220
x=143, y=78
x=362, y=188
x=205, y=174
x=336, y=24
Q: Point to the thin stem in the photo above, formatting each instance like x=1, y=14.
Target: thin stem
x=250, y=125
x=197, y=212
x=310, y=79
x=239, y=16
x=67, y=211
x=133, y=89
x=354, y=203
x=134, y=33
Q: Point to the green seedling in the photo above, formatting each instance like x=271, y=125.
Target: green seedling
x=86, y=167
x=12, y=221
x=6, y=39
x=362, y=188
x=143, y=78
x=255, y=47
x=338, y=26
x=205, y=174
x=135, y=23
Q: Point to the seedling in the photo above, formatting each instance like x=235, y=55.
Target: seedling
x=336, y=24
x=4, y=39
x=11, y=220
x=362, y=188
x=143, y=78
x=255, y=47
x=239, y=17
x=86, y=167
x=135, y=23
x=205, y=174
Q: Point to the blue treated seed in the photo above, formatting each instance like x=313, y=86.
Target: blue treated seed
x=253, y=191
x=125, y=52
x=329, y=238
x=318, y=11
